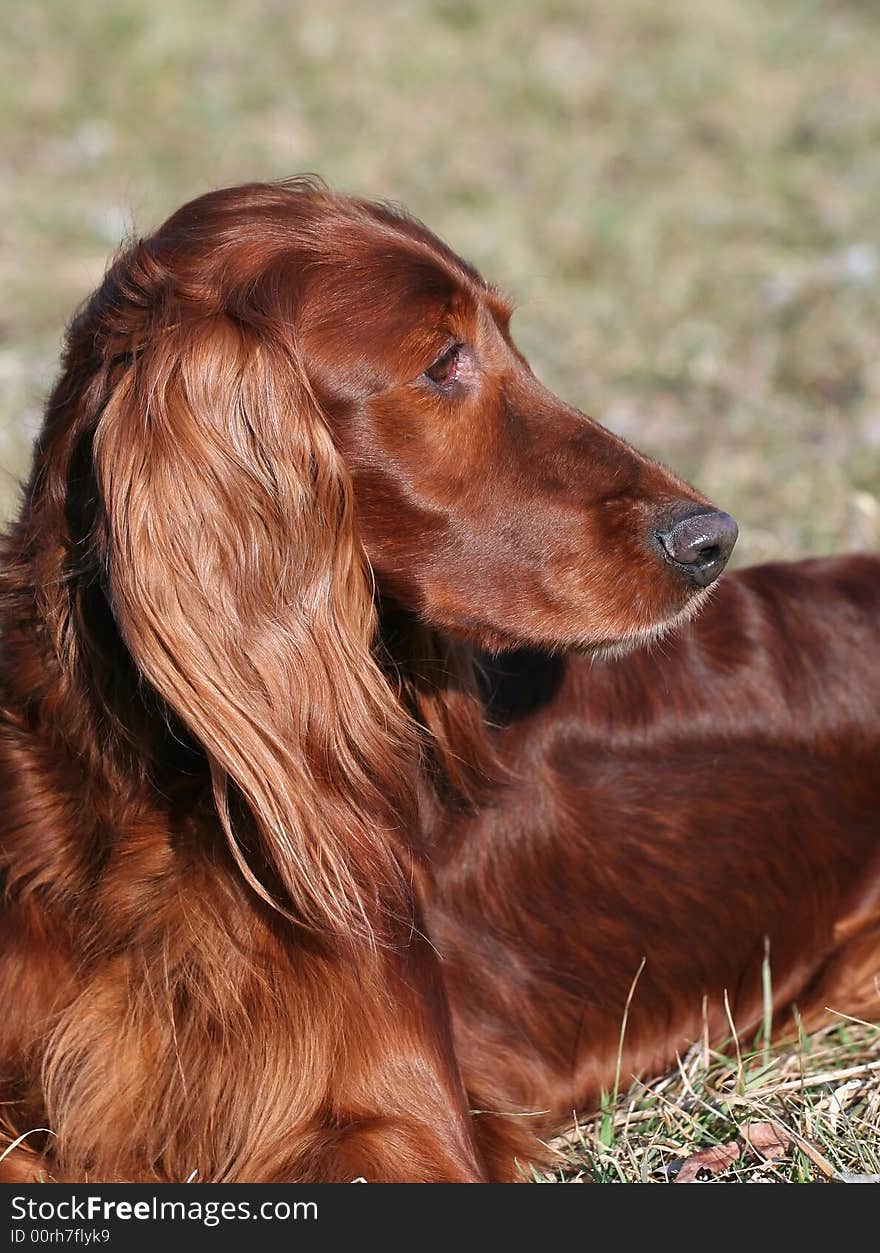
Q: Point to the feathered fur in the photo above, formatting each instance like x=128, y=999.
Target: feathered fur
x=324, y=820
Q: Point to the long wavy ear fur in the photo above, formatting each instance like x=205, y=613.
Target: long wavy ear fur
x=241, y=591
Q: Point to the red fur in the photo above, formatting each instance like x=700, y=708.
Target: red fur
x=335, y=826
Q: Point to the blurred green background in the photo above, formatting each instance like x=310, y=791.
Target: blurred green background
x=682, y=196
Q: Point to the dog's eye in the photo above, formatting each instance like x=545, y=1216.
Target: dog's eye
x=445, y=369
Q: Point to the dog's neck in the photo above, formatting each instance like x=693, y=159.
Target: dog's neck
x=438, y=680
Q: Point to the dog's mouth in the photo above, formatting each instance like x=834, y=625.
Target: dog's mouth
x=494, y=641
x=646, y=637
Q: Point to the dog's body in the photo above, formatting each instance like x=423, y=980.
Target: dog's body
x=678, y=806
x=317, y=834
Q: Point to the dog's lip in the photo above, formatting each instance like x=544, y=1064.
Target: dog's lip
x=644, y=637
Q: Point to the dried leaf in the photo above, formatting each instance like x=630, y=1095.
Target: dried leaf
x=839, y=1099
x=710, y=1162
x=767, y=1139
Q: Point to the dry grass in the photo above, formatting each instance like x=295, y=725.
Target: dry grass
x=822, y=1092
x=681, y=197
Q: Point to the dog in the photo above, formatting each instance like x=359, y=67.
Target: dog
x=346, y=802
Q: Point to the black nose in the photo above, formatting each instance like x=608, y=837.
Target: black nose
x=700, y=544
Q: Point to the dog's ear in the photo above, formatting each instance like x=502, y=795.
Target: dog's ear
x=243, y=595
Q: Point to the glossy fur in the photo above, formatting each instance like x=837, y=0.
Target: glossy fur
x=357, y=749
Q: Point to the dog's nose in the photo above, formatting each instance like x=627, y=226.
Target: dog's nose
x=700, y=544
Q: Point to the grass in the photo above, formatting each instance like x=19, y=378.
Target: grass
x=682, y=198
x=799, y=1111
x=822, y=1094
x=802, y=1111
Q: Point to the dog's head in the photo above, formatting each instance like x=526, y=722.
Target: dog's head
x=295, y=350
x=283, y=403
x=485, y=504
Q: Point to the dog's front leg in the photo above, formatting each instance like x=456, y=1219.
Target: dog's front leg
x=395, y=1109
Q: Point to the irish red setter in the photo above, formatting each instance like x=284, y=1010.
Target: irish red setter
x=342, y=800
